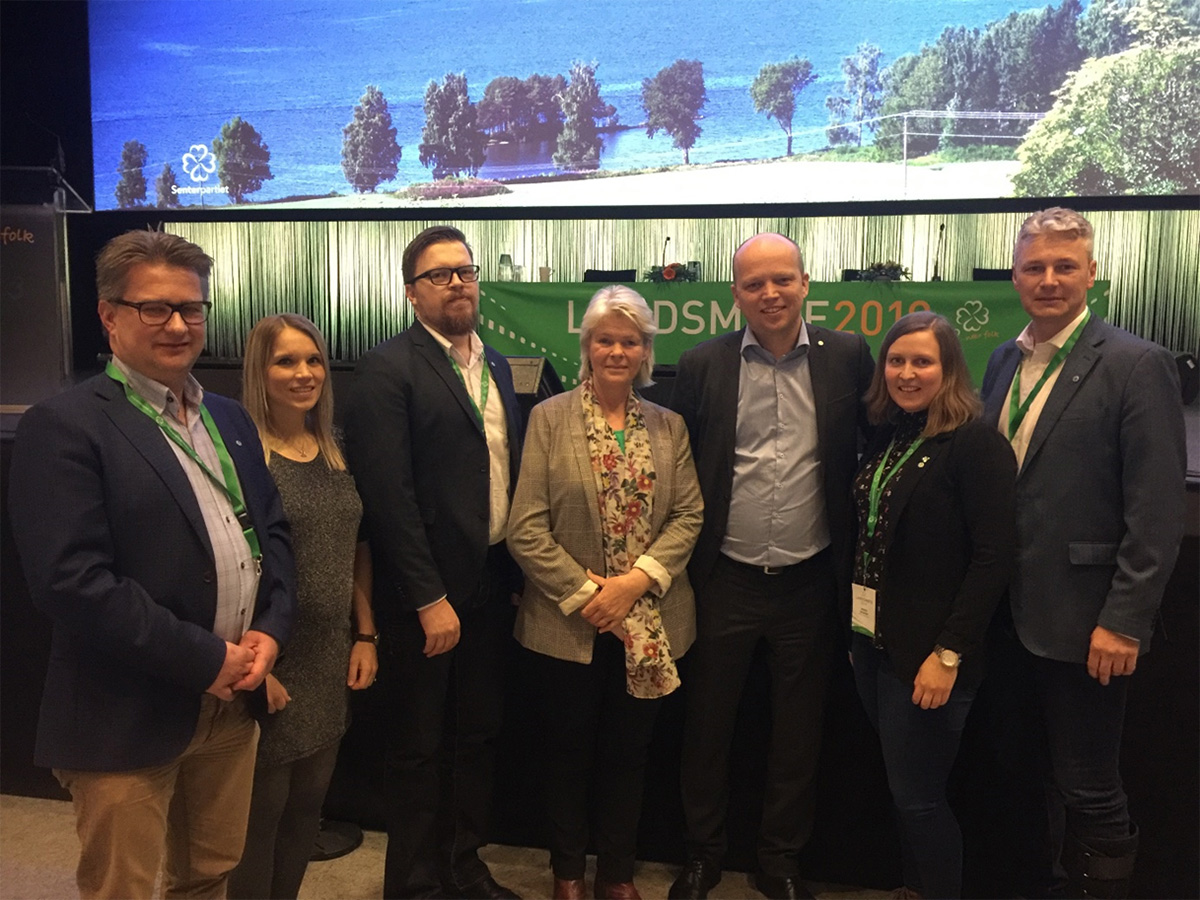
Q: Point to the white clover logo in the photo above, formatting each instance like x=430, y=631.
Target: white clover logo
x=198, y=163
x=972, y=315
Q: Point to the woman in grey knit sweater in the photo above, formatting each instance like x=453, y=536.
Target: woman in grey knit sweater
x=332, y=648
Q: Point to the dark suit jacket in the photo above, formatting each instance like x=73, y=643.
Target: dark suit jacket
x=706, y=393
x=116, y=553
x=951, y=544
x=420, y=459
x=1100, y=496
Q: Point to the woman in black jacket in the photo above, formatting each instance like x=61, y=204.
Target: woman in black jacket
x=936, y=546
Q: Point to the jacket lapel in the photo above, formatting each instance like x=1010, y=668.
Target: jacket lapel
x=149, y=441
x=818, y=370
x=1006, y=370
x=581, y=447
x=914, y=470
x=1070, y=378
x=437, y=359
x=664, y=470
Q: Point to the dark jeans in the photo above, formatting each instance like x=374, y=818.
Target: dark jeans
x=793, y=614
x=445, y=714
x=595, y=738
x=285, y=816
x=1057, y=733
x=919, y=748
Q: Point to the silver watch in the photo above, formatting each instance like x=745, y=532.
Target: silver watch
x=951, y=659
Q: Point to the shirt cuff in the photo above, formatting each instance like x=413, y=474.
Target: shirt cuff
x=434, y=603
x=655, y=569
x=579, y=599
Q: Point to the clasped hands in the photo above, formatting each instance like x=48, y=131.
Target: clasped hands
x=611, y=604
x=246, y=664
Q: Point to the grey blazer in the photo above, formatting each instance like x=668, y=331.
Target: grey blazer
x=1100, y=495
x=554, y=527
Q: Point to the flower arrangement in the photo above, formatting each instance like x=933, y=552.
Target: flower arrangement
x=673, y=272
x=886, y=271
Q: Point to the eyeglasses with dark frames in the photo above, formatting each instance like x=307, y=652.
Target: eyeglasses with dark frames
x=443, y=276
x=159, y=312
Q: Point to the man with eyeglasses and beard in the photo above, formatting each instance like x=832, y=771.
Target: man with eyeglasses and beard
x=152, y=536
x=433, y=435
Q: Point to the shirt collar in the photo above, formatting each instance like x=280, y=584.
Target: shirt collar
x=749, y=341
x=1026, y=342
x=444, y=342
x=161, y=398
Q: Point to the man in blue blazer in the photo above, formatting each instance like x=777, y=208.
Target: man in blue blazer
x=1095, y=419
x=433, y=434
x=774, y=413
x=152, y=536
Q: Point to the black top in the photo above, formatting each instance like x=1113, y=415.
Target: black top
x=946, y=541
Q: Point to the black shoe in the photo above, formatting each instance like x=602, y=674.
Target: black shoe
x=695, y=881
x=486, y=888
x=781, y=887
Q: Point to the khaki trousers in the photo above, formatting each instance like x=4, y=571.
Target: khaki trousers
x=192, y=809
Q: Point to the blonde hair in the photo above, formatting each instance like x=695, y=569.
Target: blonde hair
x=1059, y=221
x=260, y=346
x=956, y=402
x=625, y=300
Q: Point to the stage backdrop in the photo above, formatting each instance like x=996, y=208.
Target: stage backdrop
x=521, y=319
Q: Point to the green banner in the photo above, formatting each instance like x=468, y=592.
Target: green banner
x=543, y=319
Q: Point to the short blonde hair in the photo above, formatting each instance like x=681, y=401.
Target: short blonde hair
x=956, y=402
x=1057, y=220
x=260, y=346
x=625, y=300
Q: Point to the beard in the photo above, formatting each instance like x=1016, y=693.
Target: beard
x=457, y=322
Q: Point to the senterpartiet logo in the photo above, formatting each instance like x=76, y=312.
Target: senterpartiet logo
x=199, y=164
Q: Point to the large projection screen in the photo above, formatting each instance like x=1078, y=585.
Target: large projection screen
x=574, y=103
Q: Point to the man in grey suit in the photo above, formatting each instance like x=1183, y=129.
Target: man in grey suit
x=774, y=415
x=1094, y=416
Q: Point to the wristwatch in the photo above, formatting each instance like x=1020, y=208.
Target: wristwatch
x=951, y=659
x=367, y=638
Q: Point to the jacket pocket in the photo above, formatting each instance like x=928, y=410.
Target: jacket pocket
x=1092, y=553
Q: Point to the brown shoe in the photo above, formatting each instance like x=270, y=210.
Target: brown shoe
x=621, y=890
x=569, y=889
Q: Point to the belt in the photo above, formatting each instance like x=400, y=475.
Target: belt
x=776, y=570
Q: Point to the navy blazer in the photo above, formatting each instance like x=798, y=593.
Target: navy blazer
x=706, y=395
x=116, y=553
x=420, y=460
x=951, y=544
x=1100, y=495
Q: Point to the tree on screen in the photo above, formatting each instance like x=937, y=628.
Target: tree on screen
x=451, y=142
x=243, y=159
x=369, y=150
x=580, y=143
x=775, y=88
x=131, y=189
x=861, y=97
x=1128, y=123
x=543, y=93
x=165, y=197
x=673, y=99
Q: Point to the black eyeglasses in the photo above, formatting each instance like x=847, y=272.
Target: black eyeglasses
x=443, y=276
x=159, y=312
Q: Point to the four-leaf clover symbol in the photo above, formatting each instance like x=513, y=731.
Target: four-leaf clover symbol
x=972, y=315
x=198, y=163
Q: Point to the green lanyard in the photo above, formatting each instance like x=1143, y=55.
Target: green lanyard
x=483, y=388
x=881, y=478
x=229, y=484
x=1017, y=409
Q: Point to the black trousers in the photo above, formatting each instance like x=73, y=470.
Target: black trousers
x=445, y=713
x=793, y=614
x=595, y=739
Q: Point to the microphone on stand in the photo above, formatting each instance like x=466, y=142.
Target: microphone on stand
x=664, y=253
x=937, y=254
